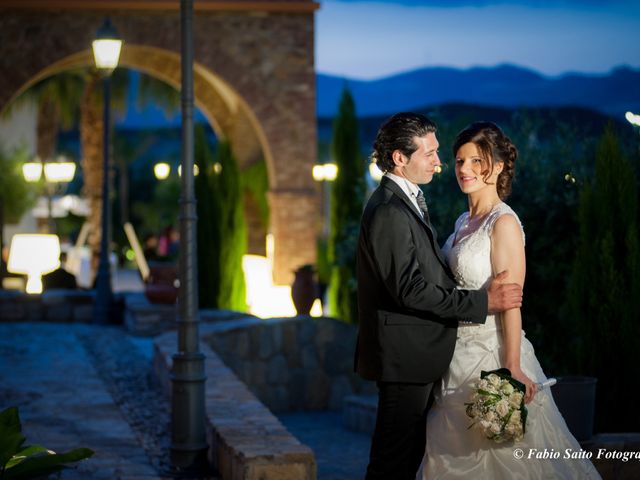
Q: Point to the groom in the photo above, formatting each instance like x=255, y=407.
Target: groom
x=408, y=303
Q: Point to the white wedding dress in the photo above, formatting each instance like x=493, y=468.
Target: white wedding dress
x=453, y=450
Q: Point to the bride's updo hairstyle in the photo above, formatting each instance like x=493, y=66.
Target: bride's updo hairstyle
x=494, y=146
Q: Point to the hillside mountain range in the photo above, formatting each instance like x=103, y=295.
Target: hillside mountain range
x=501, y=86
x=545, y=122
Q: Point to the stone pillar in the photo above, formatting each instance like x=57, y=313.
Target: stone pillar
x=294, y=215
x=256, y=230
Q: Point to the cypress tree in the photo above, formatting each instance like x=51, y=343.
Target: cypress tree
x=222, y=231
x=233, y=231
x=605, y=287
x=347, y=197
x=208, y=210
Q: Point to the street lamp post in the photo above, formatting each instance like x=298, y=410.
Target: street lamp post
x=188, y=433
x=106, y=51
x=49, y=195
x=325, y=173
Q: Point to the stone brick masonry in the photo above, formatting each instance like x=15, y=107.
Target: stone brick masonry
x=254, y=79
x=290, y=364
x=246, y=441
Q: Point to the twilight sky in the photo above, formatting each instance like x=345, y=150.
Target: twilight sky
x=364, y=39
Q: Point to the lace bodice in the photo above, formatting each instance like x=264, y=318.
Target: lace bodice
x=468, y=249
x=470, y=257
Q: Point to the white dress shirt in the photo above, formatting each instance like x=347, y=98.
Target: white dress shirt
x=410, y=189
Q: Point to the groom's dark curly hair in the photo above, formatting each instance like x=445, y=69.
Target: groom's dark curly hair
x=397, y=133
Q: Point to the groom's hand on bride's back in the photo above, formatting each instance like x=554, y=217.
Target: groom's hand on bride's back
x=503, y=296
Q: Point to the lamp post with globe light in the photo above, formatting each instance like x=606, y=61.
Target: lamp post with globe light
x=325, y=173
x=55, y=173
x=188, y=432
x=106, y=52
x=162, y=170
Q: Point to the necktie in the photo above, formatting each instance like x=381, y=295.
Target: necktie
x=422, y=204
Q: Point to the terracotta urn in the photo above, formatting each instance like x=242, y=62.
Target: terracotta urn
x=162, y=284
x=304, y=289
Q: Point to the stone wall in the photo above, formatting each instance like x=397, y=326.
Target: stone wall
x=254, y=79
x=246, y=441
x=52, y=306
x=299, y=363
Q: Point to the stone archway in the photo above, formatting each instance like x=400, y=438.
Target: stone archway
x=254, y=79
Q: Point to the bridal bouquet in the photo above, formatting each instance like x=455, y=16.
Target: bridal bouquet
x=497, y=406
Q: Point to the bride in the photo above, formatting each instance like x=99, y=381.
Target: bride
x=487, y=239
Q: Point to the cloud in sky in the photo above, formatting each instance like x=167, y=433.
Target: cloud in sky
x=362, y=39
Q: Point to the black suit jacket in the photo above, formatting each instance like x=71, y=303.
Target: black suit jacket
x=408, y=303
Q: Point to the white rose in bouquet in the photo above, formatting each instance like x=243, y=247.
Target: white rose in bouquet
x=507, y=388
x=497, y=406
x=494, y=380
x=502, y=408
x=515, y=399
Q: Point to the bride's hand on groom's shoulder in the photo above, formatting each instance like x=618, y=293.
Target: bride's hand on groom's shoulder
x=503, y=296
x=529, y=384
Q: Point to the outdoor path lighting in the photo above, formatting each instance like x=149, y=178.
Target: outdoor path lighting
x=326, y=172
x=60, y=171
x=188, y=424
x=34, y=255
x=55, y=173
x=106, y=52
x=161, y=170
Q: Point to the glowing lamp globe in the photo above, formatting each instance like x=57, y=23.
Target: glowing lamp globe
x=59, y=172
x=161, y=170
x=106, y=47
x=32, y=171
x=375, y=172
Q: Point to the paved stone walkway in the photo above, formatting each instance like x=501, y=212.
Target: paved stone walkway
x=63, y=403
x=85, y=385
x=340, y=454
